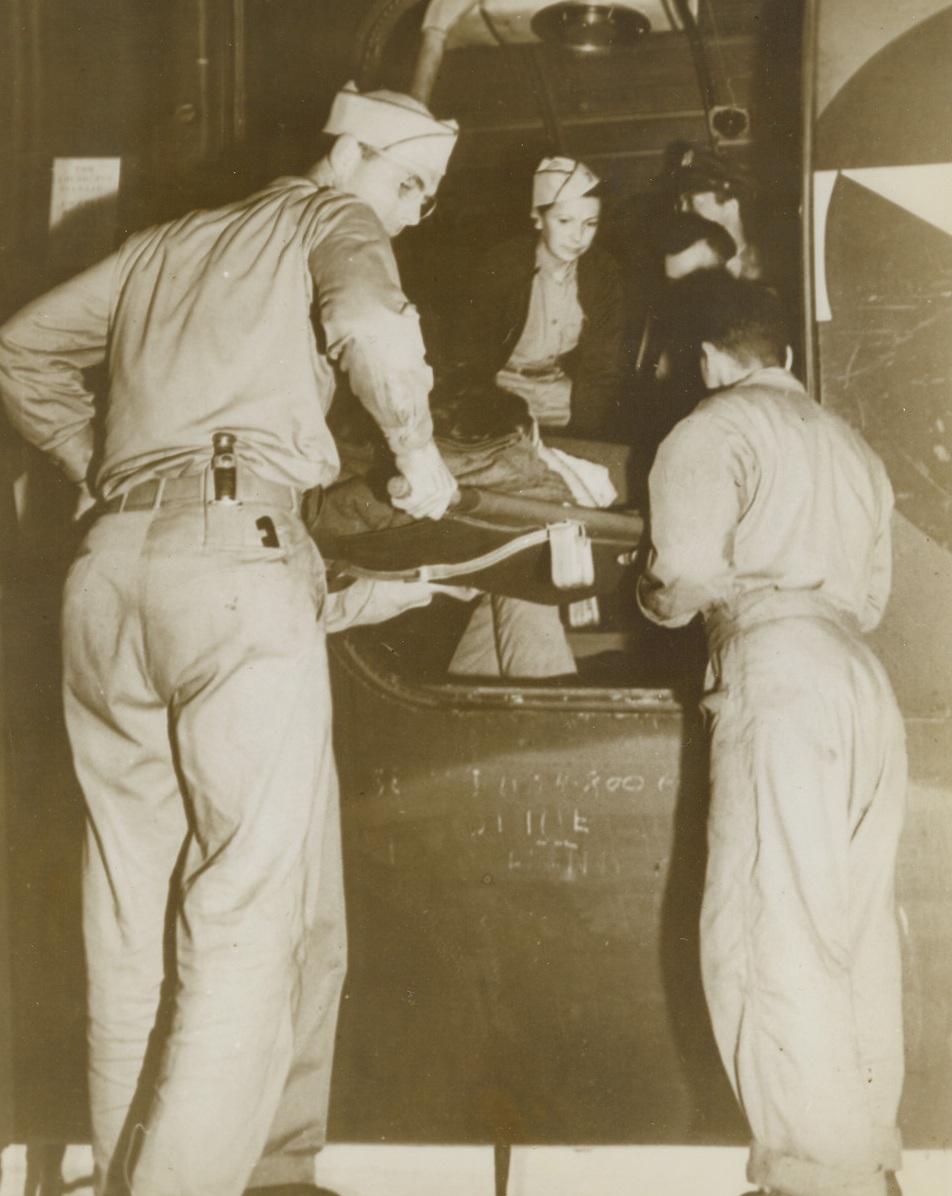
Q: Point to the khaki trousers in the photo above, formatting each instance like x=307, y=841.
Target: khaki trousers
x=509, y=637
x=198, y=708
x=799, y=936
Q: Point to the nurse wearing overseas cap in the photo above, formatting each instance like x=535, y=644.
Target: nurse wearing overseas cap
x=547, y=323
x=196, y=691
x=546, y=314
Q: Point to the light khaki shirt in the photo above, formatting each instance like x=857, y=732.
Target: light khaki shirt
x=552, y=328
x=205, y=323
x=761, y=488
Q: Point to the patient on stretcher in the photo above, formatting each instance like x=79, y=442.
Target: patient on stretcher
x=490, y=442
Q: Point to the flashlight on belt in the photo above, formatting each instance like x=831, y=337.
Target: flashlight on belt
x=224, y=467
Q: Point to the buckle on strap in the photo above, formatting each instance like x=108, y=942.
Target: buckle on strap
x=573, y=564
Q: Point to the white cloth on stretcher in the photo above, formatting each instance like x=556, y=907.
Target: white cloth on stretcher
x=589, y=482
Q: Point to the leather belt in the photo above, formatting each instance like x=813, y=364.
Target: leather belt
x=199, y=488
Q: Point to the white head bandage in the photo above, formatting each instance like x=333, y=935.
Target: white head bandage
x=559, y=179
x=397, y=125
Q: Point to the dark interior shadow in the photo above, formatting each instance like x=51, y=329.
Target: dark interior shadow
x=45, y=822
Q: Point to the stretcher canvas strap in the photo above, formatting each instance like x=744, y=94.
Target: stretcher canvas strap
x=554, y=533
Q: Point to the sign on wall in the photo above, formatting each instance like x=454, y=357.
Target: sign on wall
x=84, y=202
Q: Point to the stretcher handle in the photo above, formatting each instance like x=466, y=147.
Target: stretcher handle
x=515, y=512
x=399, y=487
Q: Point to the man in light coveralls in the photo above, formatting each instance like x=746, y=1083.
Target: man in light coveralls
x=195, y=670
x=771, y=517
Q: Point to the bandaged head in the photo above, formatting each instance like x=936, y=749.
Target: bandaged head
x=560, y=179
x=398, y=126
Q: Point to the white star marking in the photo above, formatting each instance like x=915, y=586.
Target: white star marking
x=925, y=191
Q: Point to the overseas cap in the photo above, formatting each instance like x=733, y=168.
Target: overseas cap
x=397, y=125
x=694, y=169
x=559, y=179
x=701, y=170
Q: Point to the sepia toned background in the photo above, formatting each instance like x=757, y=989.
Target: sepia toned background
x=523, y=868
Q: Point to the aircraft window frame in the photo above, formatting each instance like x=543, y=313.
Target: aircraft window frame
x=389, y=48
x=362, y=652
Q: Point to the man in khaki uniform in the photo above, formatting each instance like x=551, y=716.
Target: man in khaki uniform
x=195, y=671
x=771, y=517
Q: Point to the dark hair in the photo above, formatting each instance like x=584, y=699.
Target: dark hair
x=738, y=315
x=684, y=229
x=747, y=321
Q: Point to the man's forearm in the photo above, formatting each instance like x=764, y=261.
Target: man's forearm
x=390, y=377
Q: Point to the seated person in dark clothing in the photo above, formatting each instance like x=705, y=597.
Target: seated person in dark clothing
x=693, y=251
x=687, y=244
x=677, y=382
x=702, y=182
x=546, y=314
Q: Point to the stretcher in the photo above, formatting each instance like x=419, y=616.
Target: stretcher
x=543, y=552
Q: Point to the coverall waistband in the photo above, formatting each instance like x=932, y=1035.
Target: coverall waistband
x=553, y=370
x=199, y=488
x=749, y=610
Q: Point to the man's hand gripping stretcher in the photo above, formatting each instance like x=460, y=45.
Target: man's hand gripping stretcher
x=503, y=495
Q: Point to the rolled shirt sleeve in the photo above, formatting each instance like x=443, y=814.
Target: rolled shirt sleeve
x=372, y=330
x=44, y=350
x=695, y=506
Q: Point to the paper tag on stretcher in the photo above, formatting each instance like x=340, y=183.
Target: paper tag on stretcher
x=573, y=566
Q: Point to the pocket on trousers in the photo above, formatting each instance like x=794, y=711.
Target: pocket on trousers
x=260, y=530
